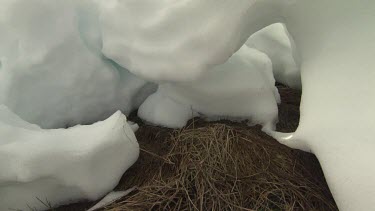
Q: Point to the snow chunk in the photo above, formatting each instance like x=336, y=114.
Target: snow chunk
x=242, y=88
x=111, y=197
x=134, y=126
x=63, y=165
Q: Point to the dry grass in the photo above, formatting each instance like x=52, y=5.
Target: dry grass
x=221, y=167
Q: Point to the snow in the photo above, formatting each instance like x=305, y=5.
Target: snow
x=53, y=73
x=134, y=126
x=110, y=198
x=249, y=93
x=172, y=40
x=275, y=41
x=62, y=165
x=334, y=48
x=78, y=62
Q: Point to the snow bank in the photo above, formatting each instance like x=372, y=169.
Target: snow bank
x=62, y=165
x=52, y=71
x=242, y=88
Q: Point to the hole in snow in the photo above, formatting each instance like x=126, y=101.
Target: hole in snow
x=289, y=112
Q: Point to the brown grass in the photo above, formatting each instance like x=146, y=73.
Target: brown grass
x=221, y=167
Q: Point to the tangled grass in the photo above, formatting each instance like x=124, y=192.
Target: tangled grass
x=220, y=167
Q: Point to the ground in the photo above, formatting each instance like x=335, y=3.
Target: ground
x=222, y=166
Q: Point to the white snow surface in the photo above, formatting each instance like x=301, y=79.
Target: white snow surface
x=61, y=166
x=52, y=71
x=242, y=88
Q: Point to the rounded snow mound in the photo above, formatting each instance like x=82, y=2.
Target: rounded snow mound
x=62, y=165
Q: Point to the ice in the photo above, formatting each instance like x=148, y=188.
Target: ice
x=53, y=167
x=242, y=88
x=52, y=70
x=334, y=40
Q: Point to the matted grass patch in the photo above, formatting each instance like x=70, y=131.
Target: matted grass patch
x=216, y=166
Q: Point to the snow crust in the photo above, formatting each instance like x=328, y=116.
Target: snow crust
x=62, y=165
x=242, y=88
